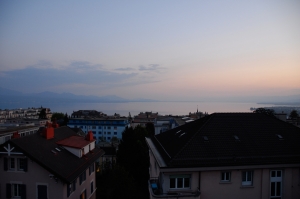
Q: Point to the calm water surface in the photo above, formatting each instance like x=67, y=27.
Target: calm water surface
x=163, y=108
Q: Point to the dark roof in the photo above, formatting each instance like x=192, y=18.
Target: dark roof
x=63, y=164
x=230, y=139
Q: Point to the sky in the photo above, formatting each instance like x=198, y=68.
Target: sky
x=163, y=50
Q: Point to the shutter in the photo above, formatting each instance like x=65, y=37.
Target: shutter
x=75, y=184
x=25, y=164
x=8, y=190
x=68, y=190
x=5, y=164
x=23, y=191
x=42, y=191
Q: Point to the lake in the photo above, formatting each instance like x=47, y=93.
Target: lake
x=163, y=108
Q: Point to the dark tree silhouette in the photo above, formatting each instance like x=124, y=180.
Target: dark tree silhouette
x=294, y=114
x=150, y=128
x=269, y=112
x=133, y=155
x=43, y=114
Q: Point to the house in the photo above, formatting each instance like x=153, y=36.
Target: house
x=53, y=163
x=226, y=155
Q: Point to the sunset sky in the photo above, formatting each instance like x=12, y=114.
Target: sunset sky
x=164, y=50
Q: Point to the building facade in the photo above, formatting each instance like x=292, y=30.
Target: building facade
x=52, y=163
x=226, y=155
x=103, y=129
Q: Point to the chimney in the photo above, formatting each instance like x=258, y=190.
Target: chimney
x=15, y=135
x=48, y=132
x=89, y=136
x=54, y=124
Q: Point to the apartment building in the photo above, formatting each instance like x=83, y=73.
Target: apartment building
x=226, y=155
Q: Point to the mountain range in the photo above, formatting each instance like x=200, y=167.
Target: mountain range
x=12, y=96
x=15, y=96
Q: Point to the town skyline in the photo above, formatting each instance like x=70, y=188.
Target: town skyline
x=167, y=50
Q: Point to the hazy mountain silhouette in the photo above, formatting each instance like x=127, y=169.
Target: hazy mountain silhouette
x=7, y=95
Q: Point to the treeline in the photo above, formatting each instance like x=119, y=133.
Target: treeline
x=128, y=176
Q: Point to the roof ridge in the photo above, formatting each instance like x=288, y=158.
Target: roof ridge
x=192, y=138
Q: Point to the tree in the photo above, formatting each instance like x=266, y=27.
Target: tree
x=269, y=112
x=66, y=120
x=116, y=183
x=57, y=116
x=43, y=114
x=133, y=155
x=294, y=114
x=150, y=128
x=62, y=119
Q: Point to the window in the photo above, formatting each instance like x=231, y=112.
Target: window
x=92, y=187
x=71, y=187
x=247, y=178
x=42, y=192
x=225, y=176
x=180, y=181
x=276, y=184
x=21, y=164
x=91, y=169
x=16, y=190
x=108, y=133
x=115, y=133
x=115, y=128
x=11, y=163
x=83, y=195
x=82, y=177
x=108, y=127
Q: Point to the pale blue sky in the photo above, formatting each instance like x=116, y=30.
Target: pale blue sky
x=177, y=50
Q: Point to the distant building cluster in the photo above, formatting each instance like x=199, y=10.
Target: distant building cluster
x=221, y=155
x=30, y=113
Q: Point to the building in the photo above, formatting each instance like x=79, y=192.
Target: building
x=29, y=113
x=143, y=118
x=226, y=155
x=164, y=123
x=52, y=163
x=24, y=121
x=104, y=129
x=6, y=132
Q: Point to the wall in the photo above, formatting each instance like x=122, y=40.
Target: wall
x=34, y=176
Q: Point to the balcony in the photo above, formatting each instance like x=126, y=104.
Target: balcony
x=156, y=191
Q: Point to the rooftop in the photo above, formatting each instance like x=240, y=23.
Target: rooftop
x=60, y=163
x=230, y=139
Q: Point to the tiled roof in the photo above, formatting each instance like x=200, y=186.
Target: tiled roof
x=230, y=139
x=63, y=164
x=74, y=142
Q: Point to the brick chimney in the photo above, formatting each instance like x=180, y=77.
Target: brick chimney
x=54, y=123
x=15, y=135
x=89, y=136
x=48, y=131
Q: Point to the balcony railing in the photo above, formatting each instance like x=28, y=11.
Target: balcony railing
x=156, y=191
